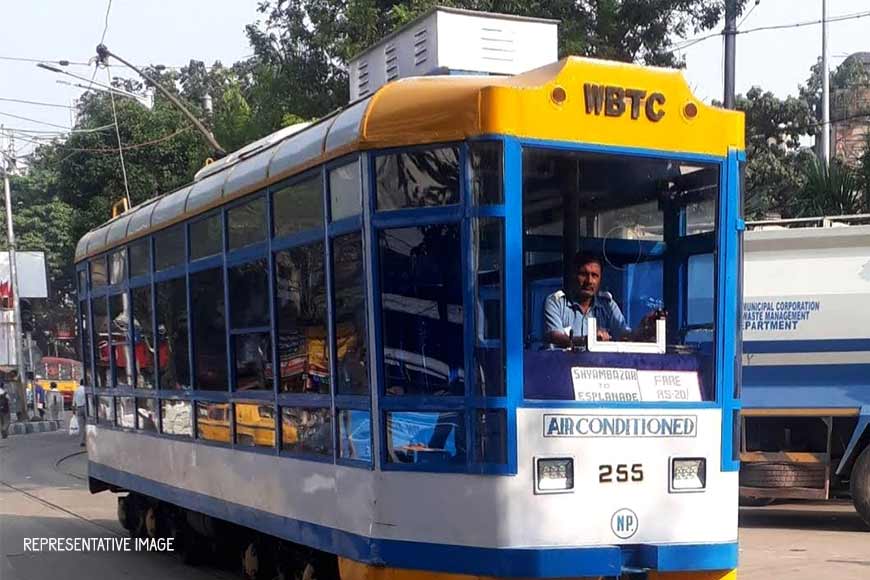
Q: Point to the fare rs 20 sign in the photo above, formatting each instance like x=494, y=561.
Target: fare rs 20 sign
x=607, y=385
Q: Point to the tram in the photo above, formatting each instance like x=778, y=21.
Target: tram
x=334, y=350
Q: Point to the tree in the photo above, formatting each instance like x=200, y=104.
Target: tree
x=302, y=47
x=850, y=73
x=774, y=156
x=829, y=189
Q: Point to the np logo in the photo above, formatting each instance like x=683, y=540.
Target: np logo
x=624, y=523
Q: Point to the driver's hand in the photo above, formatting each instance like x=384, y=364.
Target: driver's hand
x=603, y=335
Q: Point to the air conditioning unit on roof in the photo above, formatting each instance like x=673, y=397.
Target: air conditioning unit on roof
x=453, y=41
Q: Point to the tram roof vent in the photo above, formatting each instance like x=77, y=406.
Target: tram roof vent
x=454, y=41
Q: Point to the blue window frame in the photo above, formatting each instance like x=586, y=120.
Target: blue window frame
x=439, y=327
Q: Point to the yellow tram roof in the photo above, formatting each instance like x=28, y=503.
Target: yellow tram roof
x=549, y=103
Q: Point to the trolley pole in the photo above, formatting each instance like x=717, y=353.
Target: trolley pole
x=730, y=49
x=826, y=90
x=21, y=410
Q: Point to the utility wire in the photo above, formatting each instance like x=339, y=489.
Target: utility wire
x=36, y=60
x=34, y=121
x=112, y=150
x=117, y=129
x=106, y=27
x=49, y=134
x=843, y=17
x=746, y=16
x=37, y=103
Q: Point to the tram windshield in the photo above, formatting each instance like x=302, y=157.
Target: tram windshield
x=619, y=274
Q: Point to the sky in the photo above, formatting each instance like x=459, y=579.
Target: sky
x=171, y=32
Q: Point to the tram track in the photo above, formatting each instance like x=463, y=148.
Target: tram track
x=58, y=507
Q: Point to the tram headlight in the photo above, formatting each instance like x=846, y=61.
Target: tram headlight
x=688, y=474
x=554, y=474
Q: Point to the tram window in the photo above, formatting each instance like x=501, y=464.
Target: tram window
x=255, y=425
x=85, y=334
x=83, y=282
x=305, y=430
x=627, y=219
x=125, y=412
x=489, y=265
x=246, y=223
x=100, y=342
x=172, y=354
x=249, y=295
x=146, y=415
x=106, y=410
x=490, y=439
x=486, y=172
x=701, y=216
x=140, y=257
x=99, y=276
x=169, y=248
x=298, y=207
x=209, y=330
x=119, y=317
x=700, y=295
x=300, y=291
x=355, y=435
x=143, y=337
x=206, y=238
x=426, y=437
x=176, y=417
x=65, y=372
x=252, y=361
x=345, y=191
x=421, y=300
x=350, y=315
x=118, y=267
x=213, y=421
x=424, y=178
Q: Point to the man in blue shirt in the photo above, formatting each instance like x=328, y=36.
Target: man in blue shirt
x=566, y=315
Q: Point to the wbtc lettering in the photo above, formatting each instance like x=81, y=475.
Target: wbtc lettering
x=612, y=101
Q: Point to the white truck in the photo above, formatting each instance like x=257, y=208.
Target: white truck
x=806, y=361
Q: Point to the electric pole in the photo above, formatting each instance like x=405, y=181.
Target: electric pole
x=730, y=48
x=8, y=163
x=826, y=90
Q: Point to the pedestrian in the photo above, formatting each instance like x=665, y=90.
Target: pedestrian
x=39, y=400
x=80, y=404
x=5, y=409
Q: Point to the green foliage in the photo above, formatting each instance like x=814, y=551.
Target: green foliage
x=774, y=157
x=303, y=46
x=829, y=190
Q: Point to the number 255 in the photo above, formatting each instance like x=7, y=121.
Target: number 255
x=623, y=472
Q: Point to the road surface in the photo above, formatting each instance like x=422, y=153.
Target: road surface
x=43, y=493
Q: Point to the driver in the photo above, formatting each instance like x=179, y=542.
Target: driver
x=566, y=314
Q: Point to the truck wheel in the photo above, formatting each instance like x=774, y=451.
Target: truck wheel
x=859, y=482
x=782, y=475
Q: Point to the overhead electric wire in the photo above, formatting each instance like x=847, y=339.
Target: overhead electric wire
x=38, y=60
x=691, y=42
x=746, y=16
x=118, y=130
x=112, y=150
x=37, y=121
x=106, y=27
x=37, y=103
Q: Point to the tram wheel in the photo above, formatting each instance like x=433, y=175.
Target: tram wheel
x=859, y=483
x=151, y=520
x=257, y=562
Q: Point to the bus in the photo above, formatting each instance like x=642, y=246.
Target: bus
x=64, y=372
x=400, y=260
